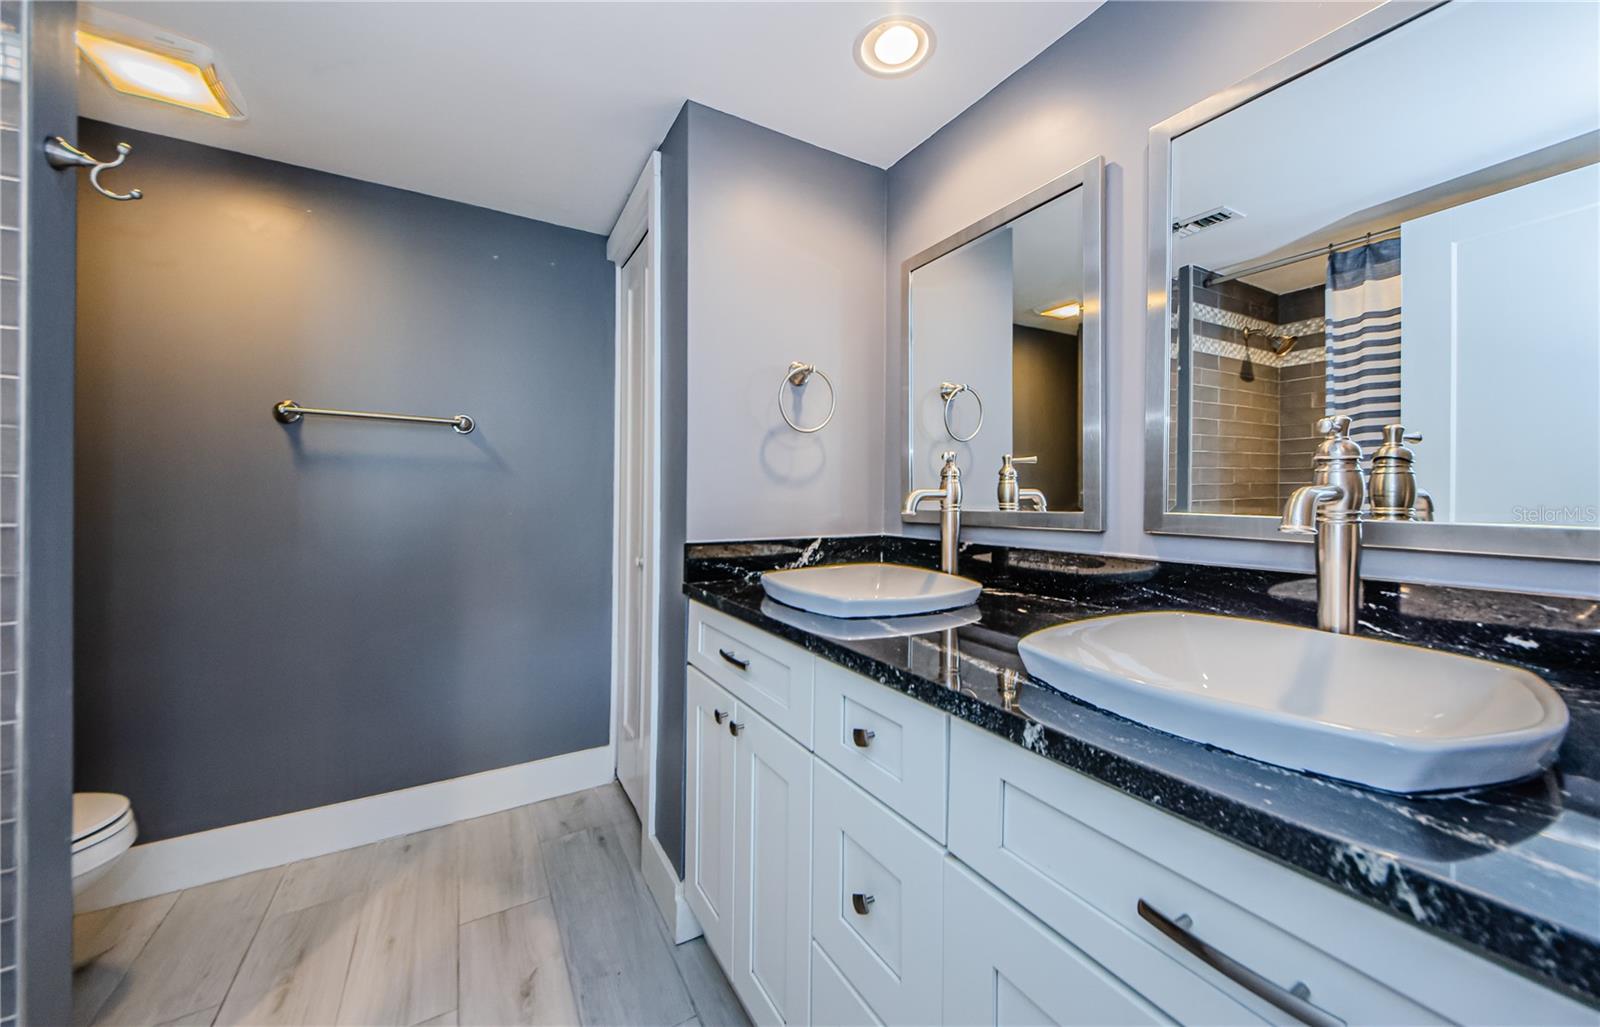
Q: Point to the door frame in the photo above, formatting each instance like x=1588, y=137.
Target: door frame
x=640, y=221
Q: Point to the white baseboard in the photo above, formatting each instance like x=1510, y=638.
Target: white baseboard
x=192, y=859
x=667, y=890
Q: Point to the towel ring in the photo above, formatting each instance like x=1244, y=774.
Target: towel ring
x=797, y=376
x=950, y=390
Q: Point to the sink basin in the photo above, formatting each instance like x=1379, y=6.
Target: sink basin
x=1389, y=716
x=861, y=629
x=869, y=589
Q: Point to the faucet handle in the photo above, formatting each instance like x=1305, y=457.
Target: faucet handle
x=1339, y=424
x=1008, y=458
x=948, y=456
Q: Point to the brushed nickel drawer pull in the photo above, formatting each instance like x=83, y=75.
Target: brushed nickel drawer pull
x=862, y=904
x=719, y=715
x=1294, y=1000
x=862, y=736
x=741, y=664
x=734, y=728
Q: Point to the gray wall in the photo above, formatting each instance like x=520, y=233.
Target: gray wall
x=1046, y=396
x=272, y=618
x=36, y=577
x=772, y=252
x=785, y=249
x=1097, y=91
x=673, y=281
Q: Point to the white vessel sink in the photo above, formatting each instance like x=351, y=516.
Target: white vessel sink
x=869, y=589
x=860, y=629
x=1389, y=716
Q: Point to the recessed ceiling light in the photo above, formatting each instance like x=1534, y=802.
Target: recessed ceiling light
x=1063, y=311
x=140, y=60
x=894, y=46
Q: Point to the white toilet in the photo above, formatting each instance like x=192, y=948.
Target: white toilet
x=102, y=830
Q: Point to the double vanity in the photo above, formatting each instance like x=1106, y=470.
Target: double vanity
x=935, y=782
x=893, y=821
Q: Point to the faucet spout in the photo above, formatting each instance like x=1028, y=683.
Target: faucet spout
x=949, y=496
x=1300, y=512
x=917, y=497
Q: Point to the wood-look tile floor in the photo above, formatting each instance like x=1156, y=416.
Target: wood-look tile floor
x=537, y=915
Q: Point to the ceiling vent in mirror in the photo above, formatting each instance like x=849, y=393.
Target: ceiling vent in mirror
x=1200, y=222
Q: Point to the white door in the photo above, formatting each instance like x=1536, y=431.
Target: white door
x=1500, y=353
x=1001, y=966
x=708, y=842
x=771, y=969
x=636, y=550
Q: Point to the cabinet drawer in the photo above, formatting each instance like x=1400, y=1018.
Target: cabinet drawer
x=768, y=674
x=894, y=747
x=1010, y=821
x=877, y=900
x=833, y=1002
x=1003, y=967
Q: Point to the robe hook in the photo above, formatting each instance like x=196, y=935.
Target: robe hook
x=62, y=155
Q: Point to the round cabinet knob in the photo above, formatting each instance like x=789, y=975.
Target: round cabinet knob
x=719, y=715
x=862, y=904
x=735, y=728
x=862, y=736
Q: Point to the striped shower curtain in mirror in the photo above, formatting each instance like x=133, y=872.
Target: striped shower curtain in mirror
x=1363, y=339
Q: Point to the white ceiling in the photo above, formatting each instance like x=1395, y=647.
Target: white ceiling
x=1047, y=262
x=1464, y=88
x=549, y=110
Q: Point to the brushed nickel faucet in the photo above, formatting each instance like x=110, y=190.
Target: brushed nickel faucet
x=1330, y=508
x=949, y=496
x=1392, y=487
x=1007, y=493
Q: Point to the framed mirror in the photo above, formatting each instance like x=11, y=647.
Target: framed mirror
x=1399, y=224
x=1004, y=360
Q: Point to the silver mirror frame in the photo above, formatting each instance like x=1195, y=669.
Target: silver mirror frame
x=1536, y=541
x=1088, y=176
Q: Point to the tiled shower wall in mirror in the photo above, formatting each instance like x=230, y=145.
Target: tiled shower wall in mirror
x=10, y=348
x=1250, y=377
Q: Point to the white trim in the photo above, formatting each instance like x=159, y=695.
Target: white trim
x=640, y=220
x=667, y=890
x=638, y=214
x=193, y=859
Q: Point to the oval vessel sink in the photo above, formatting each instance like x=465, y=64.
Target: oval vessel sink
x=1389, y=716
x=869, y=589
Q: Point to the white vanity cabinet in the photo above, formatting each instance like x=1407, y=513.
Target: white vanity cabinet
x=771, y=967
x=747, y=853
x=858, y=857
x=709, y=800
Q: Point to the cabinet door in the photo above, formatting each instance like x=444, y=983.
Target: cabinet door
x=1001, y=966
x=772, y=885
x=708, y=842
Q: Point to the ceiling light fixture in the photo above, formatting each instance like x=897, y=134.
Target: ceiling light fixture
x=140, y=60
x=1063, y=311
x=894, y=46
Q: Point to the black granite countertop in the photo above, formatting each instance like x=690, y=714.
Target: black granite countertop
x=1511, y=872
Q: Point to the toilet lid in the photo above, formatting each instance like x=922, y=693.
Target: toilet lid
x=92, y=811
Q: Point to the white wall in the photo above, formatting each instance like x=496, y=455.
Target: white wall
x=961, y=332
x=1097, y=91
x=785, y=262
